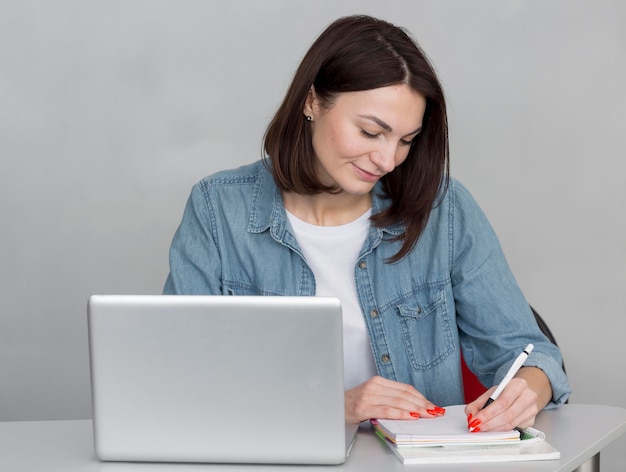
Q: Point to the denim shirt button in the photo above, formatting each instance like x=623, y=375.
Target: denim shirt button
x=385, y=358
x=362, y=265
x=374, y=313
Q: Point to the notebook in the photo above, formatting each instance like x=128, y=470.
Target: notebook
x=218, y=379
x=449, y=429
x=446, y=439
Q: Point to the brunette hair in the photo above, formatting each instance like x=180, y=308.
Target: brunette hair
x=362, y=53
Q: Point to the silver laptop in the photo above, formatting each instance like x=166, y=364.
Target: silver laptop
x=218, y=379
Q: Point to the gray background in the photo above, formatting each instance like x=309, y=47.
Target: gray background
x=111, y=110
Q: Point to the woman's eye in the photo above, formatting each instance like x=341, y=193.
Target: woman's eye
x=368, y=135
x=404, y=142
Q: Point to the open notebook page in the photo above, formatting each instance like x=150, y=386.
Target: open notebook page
x=450, y=428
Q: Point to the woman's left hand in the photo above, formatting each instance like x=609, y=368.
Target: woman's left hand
x=516, y=407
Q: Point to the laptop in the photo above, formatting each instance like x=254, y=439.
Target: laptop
x=226, y=379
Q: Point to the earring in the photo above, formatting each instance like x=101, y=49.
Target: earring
x=309, y=118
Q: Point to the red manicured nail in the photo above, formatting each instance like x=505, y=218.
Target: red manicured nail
x=432, y=412
x=469, y=418
x=415, y=414
x=475, y=430
x=440, y=410
x=474, y=424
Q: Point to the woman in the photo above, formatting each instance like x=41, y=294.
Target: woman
x=354, y=200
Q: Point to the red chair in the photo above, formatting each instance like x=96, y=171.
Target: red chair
x=472, y=388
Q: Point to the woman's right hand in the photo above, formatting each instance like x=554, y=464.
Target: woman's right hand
x=383, y=398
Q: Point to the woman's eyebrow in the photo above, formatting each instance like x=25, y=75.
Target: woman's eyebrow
x=385, y=126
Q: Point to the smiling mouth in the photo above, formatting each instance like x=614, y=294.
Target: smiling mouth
x=365, y=175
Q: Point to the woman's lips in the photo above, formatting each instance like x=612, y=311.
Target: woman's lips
x=365, y=175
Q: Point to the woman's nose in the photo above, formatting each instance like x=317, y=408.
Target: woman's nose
x=385, y=158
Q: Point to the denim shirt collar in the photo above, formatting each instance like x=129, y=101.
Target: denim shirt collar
x=267, y=212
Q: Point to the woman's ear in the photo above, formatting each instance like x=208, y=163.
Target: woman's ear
x=310, y=104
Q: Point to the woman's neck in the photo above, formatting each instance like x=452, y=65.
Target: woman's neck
x=327, y=209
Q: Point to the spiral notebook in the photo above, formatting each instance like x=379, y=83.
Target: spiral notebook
x=445, y=439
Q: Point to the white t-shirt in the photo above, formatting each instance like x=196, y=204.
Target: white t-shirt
x=332, y=252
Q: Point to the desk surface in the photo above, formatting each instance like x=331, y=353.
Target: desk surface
x=578, y=431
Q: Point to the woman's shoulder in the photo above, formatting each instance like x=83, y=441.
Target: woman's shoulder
x=236, y=187
x=458, y=195
x=247, y=173
x=457, y=205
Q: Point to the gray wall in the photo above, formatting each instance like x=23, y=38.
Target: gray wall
x=111, y=110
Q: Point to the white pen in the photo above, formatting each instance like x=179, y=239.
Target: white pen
x=507, y=378
x=510, y=374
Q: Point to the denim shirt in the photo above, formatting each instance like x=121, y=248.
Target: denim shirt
x=454, y=291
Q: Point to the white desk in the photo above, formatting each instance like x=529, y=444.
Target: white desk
x=580, y=432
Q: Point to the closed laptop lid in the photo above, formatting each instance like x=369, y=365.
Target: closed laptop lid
x=217, y=379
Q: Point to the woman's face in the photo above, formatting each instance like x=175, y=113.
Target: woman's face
x=364, y=135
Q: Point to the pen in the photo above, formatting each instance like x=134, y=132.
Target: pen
x=507, y=378
x=509, y=375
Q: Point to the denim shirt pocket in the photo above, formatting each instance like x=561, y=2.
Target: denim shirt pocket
x=426, y=328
